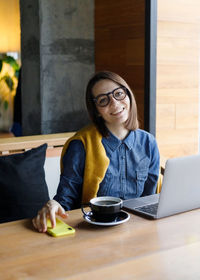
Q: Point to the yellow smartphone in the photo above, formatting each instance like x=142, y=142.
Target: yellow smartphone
x=61, y=228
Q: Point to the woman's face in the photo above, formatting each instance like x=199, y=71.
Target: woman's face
x=117, y=111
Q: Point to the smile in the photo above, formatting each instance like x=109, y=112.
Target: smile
x=118, y=112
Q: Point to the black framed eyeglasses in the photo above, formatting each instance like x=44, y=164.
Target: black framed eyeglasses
x=102, y=100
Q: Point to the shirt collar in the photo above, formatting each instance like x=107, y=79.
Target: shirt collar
x=113, y=142
x=129, y=140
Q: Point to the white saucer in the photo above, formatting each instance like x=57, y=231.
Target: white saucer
x=122, y=218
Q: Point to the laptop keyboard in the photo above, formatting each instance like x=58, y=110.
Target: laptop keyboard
x=151, y=208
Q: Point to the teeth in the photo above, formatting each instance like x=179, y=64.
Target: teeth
x=117, y=112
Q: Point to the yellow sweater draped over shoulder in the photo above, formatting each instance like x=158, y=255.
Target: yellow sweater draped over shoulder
x=96, y=160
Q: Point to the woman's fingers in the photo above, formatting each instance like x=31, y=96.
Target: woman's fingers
x=43, y=221
x=50, y=210
x=61, y=212
x=34, y=223
x=39, y=221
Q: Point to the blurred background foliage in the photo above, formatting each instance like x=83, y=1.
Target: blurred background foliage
x=9, y=73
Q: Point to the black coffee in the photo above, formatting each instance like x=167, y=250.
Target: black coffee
x=106, y=202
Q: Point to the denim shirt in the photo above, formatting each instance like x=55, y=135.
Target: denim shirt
x=132, y=172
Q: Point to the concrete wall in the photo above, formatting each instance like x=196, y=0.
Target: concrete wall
x=63, y=34
x=30, y=55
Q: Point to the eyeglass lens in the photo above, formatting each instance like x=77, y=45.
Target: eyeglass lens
x=104, y=99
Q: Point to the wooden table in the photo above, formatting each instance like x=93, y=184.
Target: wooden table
x=6, y=134
x=168, y=248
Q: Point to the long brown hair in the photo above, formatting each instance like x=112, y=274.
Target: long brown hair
x=131, y=123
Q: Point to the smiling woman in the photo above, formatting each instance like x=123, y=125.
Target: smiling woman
x=114, y=111
x=111, y=157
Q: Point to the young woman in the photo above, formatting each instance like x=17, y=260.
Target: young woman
x=110, y=157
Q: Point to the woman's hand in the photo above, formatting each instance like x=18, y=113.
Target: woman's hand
x=50, y=210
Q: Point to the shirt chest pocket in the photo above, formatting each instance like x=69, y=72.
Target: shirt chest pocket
x=142, y=175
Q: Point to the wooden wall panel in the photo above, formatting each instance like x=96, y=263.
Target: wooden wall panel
x=119, y=43
x=178, y=61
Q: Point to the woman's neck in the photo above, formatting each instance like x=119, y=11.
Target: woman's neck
x=119, y=131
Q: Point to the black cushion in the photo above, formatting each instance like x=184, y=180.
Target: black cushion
x=23, y=189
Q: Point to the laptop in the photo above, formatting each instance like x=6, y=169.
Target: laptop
x=180, y=190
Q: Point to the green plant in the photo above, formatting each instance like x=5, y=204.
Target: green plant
x=7, y=77
x=9, y=73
